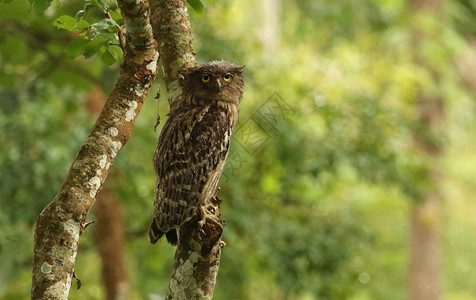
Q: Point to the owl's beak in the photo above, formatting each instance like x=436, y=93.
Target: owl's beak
x=218, y=85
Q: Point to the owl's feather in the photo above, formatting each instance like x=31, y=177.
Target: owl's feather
x=193, y=147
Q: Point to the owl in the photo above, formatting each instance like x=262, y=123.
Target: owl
x=193, y=145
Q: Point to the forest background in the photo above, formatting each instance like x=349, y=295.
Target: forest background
x=327, y=166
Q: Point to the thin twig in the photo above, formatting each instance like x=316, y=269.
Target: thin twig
x=120, y=34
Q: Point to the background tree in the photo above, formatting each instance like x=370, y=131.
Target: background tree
x=429, y=134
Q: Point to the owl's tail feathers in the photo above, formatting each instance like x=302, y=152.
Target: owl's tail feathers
x=171, y=236
x=154, y=232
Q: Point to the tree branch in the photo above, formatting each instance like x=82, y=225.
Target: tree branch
x=198, y=252
x=171, y=24
x=61, y=222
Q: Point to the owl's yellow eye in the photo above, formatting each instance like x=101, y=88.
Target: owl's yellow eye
x=227, y=77
x=205, y=78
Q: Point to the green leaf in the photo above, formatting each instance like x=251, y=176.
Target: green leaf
x=101, y=3
x=115, y=51
x=87, y=6
x=96, y=3
x=116, y=16
x=106, y=25
x=107, y=58
x=79, y=15
x=93, y=47
x=65, y=22
x=109, y=38
x=197, y=6
x=69, y=23
x=77, y=47
x=40, y=5
x=81, y=24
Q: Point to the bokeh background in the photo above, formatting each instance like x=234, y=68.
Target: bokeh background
x=323, y=171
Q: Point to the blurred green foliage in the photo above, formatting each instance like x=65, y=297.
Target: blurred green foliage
x=322, y=165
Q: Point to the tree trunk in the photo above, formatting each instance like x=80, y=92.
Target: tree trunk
x=63, y=220
x=424, y=270
x=171, y=25
x=425, y=214
x=467, y=65
x=271, y=29
x=109, y=237
x=198, y=253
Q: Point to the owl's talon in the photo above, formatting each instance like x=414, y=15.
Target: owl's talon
x=205, y=217
x=214, y=222
x=201, y=223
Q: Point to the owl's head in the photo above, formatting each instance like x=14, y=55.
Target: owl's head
x=216, y=80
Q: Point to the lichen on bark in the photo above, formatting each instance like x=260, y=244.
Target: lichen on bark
x=171, y=25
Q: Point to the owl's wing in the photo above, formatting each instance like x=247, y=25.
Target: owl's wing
x=189, y=160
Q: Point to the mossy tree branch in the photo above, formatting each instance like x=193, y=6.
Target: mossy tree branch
x=62, y=221
x=171, y=23
x=198, y=252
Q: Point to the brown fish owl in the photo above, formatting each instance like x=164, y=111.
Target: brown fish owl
x=193, y=145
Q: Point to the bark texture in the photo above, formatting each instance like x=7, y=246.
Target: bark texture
x=109, y=229
x=197, y=258
x=425, y=214
x=62, y=221
x=109, y=237
x=198, y=252
x=171, y=23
